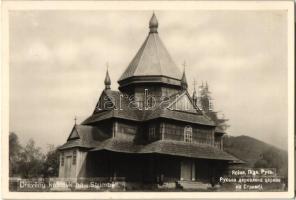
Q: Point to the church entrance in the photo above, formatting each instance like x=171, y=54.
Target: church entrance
x=188, y=170
x=68, y=166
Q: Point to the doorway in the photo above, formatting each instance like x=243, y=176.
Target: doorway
x=68, y=166
x=188, y=170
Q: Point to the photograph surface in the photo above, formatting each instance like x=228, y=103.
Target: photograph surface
x=171, y=98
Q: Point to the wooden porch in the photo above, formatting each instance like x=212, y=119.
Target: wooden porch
x=152, y=169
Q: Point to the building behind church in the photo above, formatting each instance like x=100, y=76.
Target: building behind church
x=151, y=131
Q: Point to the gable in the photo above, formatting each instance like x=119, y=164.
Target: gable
x=183, y=103
x=105, y=103
x=74, y=134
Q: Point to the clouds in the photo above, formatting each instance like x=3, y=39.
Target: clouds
x=58, y=61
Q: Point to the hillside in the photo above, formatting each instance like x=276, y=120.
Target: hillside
x=256, y=153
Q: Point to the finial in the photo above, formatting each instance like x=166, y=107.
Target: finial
x=194, y=96
x=75, y=119
x=107, y=79
x=153, y=24
x=184, y=80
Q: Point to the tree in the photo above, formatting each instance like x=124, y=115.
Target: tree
x=14, y=152
x=272, y=158
x=205, y=103
x=261, y=163
x=31, y=161
x=51, y=162
x=219, y=122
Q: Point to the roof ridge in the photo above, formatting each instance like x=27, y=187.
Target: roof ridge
x=157, y=53
x=141, y=54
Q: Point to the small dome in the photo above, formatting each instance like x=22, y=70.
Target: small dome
x=107, y=81
x=153, y=24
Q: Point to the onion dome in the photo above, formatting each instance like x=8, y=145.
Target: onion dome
x=153, y=24
x=107, y=81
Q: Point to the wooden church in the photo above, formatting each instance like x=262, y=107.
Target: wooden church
x=151, y=131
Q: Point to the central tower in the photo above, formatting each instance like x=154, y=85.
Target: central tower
x=152, y=69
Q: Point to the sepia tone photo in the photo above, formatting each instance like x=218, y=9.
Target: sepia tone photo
x=156, y=100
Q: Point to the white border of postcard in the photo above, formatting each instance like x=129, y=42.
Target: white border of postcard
x=143, y=5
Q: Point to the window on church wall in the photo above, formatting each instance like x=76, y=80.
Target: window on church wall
x=174, y=132
x=188, y=134
x=74, y=157
x=138, y=98
x=203, y=136
x=151, y=97
x=139, y=102
x=150, y=102
x=62, y=159
x=152, y=132
x=127, y=129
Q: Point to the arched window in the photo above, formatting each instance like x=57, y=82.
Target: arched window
x=188, y=134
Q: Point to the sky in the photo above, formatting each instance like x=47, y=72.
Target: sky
x=58, y=62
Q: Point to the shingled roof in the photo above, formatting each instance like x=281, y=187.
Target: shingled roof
x=95, y=140
x=165, y=147
x=88, y=136
x=184, y=149
x=152, y=59
x=125, y=112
